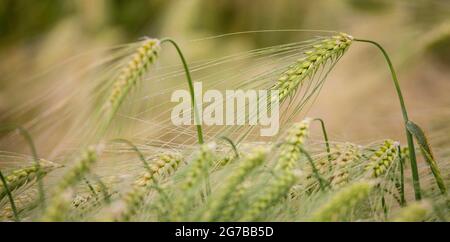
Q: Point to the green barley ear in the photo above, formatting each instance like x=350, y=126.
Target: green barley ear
x=290, y=149
x=343, y=203
x=329, y=49
x=246, y=165
x=197, y=172
x=415, y=212
x=145, y=55
x=161, y=167
x=425, y=148
x=26, y=176
x=60, y=204
x=350, y=156
x=382, y=159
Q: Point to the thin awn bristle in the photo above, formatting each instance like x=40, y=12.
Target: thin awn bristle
x=319, y=55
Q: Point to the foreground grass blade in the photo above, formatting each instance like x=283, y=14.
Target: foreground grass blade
x=425, y=148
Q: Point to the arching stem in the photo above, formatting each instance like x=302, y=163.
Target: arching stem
x=314, y=169
x=191, y=88
x=325, y=137
x=409, y=137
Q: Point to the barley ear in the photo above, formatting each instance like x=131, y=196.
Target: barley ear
x=130, y=75
x=415, y=212
x=343, y=203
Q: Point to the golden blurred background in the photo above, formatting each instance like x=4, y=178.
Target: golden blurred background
x=358, y=101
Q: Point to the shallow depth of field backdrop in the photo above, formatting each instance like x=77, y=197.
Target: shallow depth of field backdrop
x=46, y=42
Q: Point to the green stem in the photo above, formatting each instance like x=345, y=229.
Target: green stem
x=10, y=197
x=327, y=142
x=233, y=146
x=191, y=88
x=409, y=137
x=26, y=135
x=314, y=168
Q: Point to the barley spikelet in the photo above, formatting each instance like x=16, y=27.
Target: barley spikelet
x=383, y=158
x=329, y=49
x=57, y=210
x=25, y=201
x=349, y=157
x=290, y=150
x=163, y=166
x=26, y=176
x=196, y=173
x=61, y=201
x=132, y=72
x=232, y=203
x=248, y=164
x=343, y=203
x=276, y=190
x=415, y=212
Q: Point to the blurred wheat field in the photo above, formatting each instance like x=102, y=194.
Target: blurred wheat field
x=126, y=161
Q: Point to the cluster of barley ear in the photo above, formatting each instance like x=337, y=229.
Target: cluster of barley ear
x=327, y=50
x=161, y=167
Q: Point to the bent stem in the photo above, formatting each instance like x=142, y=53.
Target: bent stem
x=409, y=137
x=26, y=135
x=327, y=142
x=191, y=88
x=135, y=149
x=314, y=169
x=10, y=197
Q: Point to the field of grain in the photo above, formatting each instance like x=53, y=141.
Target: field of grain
x=87, y=130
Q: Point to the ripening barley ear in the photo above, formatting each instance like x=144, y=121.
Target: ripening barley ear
x=27, y=175
x=382, y=159
x=196, y=173
x=290, y=149
x=24, y=202
x=145, y=55
x=218, y=203
x=61, y=201
x=415, y=212
x=341, y=204
x=161, y=167
x=328, y=50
